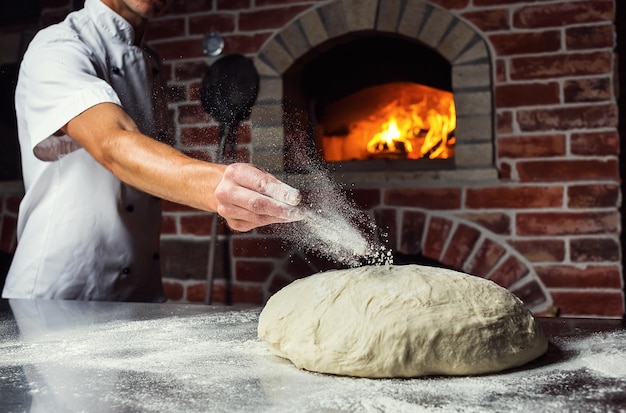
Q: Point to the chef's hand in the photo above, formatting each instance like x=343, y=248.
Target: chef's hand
x=249, y=198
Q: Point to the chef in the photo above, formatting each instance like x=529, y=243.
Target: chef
x=96, y=161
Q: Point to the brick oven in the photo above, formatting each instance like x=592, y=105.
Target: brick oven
x=530, y=195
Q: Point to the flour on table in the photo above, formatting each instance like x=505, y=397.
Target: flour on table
x=400, y=321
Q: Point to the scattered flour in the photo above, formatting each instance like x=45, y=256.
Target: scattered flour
x=214, y=362
x=335, y=227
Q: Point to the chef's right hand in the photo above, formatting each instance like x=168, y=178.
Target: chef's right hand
x=249, y=198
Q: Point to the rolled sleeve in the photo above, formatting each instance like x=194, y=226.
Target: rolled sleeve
x=48, y=96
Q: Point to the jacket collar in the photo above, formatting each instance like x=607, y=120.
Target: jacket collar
x=110, y=22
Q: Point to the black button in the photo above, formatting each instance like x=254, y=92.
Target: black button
x=130, y=208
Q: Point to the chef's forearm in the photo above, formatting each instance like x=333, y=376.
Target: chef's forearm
x=114, y=140
x=162, y=171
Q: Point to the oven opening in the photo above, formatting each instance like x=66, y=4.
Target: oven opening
x=370, y=101
x=396, y=120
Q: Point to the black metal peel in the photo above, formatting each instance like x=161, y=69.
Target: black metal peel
x=228, y=91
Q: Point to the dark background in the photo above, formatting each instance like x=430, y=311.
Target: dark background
x=620, y=24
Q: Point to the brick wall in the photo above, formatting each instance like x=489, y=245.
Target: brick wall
x=547, y=227
x=545, y=223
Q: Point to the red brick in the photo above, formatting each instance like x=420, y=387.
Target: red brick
x=189, y=70
x=264, y=3
x=508, y=272
x=176, y=93
x=258, y=247
x=168, y=206
x=235, y=4
x=531, y=293
x=187, y=258
x=501, y=72
x=536, y=146
x=561, y=65
x=588, y=90
x=268, y=19
x=567, y=223
x=221, y=294
x=593, y=196
x=168, y=225
x=412, y=228
x=387, y=227
x=452, y=4
x=528, y=94
x=540, y=250
x=244, y=43
x=512, y=43
x=199, y=136
x=192, y=113
x=188, y=6
x=248, y=294
x=438, y=231
x=174, y=291
x=184, y=48
x=495, y=2
x=366, y=198
x=497, y=223
x=196, y=292
x=201, y=154
x=564, y=171
x=193, y=90
x=504, y=122
x=565, y=118
x=460, y=246
x=165, y=28
x=485, y=258
x=595, y=144
x=429, y=198
x=197, y=224
x=594, y=250
x=564, y=276
x=489, y=20
x=255, y=271
x=505, y=171
x=514, y=197
x=564, y=13
x=167, y=71
x=590, y=37
x=214, y=22
x=244, y=134
x=589, y=303
x=241, y=155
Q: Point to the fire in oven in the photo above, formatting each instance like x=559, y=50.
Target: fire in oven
x=372, y=98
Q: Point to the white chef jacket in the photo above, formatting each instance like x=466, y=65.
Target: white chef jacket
x=82, y=233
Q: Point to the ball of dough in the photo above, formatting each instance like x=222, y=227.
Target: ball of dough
x=400, y=321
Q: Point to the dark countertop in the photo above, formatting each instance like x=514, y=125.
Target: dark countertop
x=110, y=357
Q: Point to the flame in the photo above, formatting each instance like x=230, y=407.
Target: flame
x=389, y=139
x=402, y=120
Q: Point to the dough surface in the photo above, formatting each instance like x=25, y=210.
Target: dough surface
x=399, y=321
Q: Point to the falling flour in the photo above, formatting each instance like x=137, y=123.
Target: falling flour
x=333, y=226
